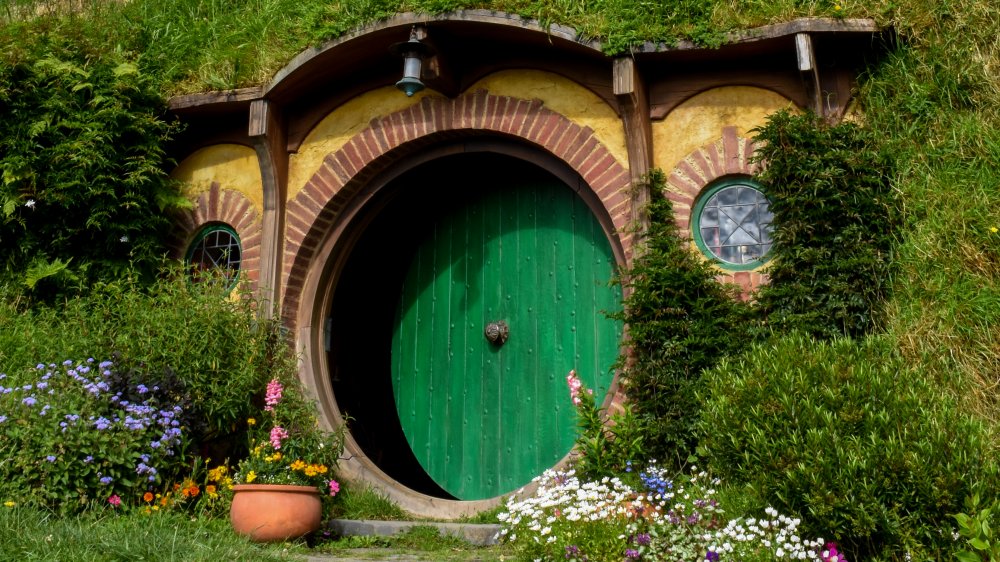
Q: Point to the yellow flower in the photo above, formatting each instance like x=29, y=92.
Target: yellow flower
x=217, y=473
x=9, y=503
x=210, y=490
x=251, y=476
x=251, y=421
x=275, y=457
x=993, y=229
x=297, y=465
x=311, y=470
x=156, y=508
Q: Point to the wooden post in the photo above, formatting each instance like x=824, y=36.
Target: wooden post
x=633, y=103
x=268, y=134
x=810, y=73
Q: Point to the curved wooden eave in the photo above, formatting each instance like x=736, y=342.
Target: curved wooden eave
x=366, y=39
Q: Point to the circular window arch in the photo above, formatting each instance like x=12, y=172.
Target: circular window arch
x=731, y=224
x=215, y=250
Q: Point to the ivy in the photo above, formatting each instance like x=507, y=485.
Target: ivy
x=835, y=223
x=83, y=187
x=680, y=321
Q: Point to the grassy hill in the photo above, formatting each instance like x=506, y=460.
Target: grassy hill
x=934, y=101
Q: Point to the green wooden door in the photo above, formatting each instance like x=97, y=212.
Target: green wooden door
x=484, y=419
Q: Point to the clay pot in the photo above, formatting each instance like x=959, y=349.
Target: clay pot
x=275, y=512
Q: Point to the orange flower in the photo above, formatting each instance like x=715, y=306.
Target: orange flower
x=147, y=497
x=297, y=465
x=210, y=490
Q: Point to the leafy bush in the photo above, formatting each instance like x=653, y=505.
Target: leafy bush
x=70, y=436
x=834, y=224
x=680, y=321
x=189, y=361
x=845, y=436
x=195, y=340
x=606, y=445
x=84, y=186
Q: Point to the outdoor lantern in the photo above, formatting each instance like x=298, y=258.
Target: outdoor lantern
x=413, y=53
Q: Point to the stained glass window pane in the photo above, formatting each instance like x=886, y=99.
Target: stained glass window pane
x=735, y=224
x=216, y=250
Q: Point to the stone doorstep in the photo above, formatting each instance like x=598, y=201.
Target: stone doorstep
x=475, y=534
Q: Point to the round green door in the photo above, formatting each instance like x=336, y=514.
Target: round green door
x=485, y=417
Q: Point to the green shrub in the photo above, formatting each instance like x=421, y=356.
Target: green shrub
x=680, y=321
x=208, y=344
x=73, y=435
x=186, y=349
x=84, y=185
x=834, y=225
x=845, y=436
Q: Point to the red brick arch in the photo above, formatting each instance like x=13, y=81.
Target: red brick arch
x=310, y=215
x=728, y=156
x=219, y=205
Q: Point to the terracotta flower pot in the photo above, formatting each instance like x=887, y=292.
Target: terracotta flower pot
x=275, y=512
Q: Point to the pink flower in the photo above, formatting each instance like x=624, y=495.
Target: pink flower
x=273, y=396
x=114, y=500
x=574, y=387
x=277, y=434
x=334, y=487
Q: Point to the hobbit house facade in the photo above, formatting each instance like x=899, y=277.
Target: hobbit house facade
x=442, y=259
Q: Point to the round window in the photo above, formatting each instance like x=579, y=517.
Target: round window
x=215, y=251
x=732, y=224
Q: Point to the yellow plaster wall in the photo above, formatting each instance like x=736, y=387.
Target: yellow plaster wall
x=576, y=103
x=557, y=93
x=700, y=119
x=234, y=166
x=337, y=128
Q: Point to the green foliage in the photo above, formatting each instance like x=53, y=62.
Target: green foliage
x=76, y=434
x=365, y=502
x=606, y=445
x=83, y=187
x=213, y=347
x=834, y=225
x=977, y=526
x=680, y=321
x=35, y=535
x=866, y=450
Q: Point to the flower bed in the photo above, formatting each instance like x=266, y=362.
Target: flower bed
x=657, y=519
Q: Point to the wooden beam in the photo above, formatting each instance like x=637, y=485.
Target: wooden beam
x=267, y=132
x=809, y=71
x=633, y=102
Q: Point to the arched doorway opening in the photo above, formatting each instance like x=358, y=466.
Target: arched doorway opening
x=448, y=247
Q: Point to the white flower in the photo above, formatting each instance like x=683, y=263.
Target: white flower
x=30, y=203
x=124, y=238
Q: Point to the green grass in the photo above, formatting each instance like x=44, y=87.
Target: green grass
x=420, y=542
x=366, y=502
x=31, y=534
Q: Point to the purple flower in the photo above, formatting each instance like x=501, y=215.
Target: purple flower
x=106, y=480
x=632, y=554
x=29, y=401
x=102, y=423
x=712, y=556
x=51, y=458
x=141, y=389
x=105, y=364
x=572, y=551
x=88, y=459
x=3, y=418
x=642, y=539
x=40, y=366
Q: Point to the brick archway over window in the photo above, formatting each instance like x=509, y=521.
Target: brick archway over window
x=219, y=205
x=310, y=215
x=728, y=156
